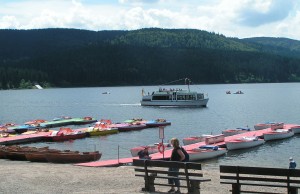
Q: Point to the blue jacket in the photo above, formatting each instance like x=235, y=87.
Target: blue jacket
x=292, y=165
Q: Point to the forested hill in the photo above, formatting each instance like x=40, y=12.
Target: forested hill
x=75, y=58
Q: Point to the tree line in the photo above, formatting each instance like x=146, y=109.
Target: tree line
x=78, y=58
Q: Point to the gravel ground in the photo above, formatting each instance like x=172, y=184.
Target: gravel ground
x=27, y=177
x=22, y=177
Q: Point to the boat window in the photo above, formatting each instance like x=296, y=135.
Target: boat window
x=180, y=97
x=200, y=96
x=186, y=97
x=167, y=97
x=190, y=97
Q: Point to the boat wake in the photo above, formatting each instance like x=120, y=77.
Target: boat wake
x=135, y=104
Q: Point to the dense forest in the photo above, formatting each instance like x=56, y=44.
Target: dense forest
x=81, y=58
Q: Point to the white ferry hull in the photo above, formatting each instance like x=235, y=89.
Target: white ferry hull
x=235, y=145
x=188, y=103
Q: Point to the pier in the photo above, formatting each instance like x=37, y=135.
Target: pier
x=167, y=153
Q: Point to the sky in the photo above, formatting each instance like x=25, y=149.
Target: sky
x=232, y=18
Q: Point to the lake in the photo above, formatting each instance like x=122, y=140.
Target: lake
x=260, y=103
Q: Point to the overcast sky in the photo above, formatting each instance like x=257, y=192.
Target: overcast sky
x=232, y=18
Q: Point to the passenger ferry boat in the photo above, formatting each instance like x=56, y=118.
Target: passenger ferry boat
x=175, y=97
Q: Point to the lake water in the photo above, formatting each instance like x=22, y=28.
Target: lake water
x=259, y=103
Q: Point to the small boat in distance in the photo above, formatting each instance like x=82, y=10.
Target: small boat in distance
x=175, y=97
x=105, y=92
x=238, y=92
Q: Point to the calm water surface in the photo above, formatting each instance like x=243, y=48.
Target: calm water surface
x=259, y=103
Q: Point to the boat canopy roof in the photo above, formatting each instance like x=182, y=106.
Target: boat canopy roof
x=167, y=92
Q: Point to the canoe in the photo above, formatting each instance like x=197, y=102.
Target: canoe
x=244, y=142
x=73, y=157
x=15, y=155
x=18, y=153
x=39, y=156
x=2, y=154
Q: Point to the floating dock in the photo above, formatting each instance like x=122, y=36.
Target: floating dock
x=24, y=138
x=167, y=153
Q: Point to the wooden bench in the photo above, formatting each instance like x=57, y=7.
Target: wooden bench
x=153, y=170
x=258, y=178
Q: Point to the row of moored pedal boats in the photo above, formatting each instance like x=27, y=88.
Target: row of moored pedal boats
x=273, y=131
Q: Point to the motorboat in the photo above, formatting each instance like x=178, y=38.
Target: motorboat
x=278, y=134
x=239, y=130
x=206, y=152
x=278, y=125
x=175, y=97
x=214, y=139
x=208, y=139
x=195, y=139
x=238, y=92
x=244, y=142
x=296, y=129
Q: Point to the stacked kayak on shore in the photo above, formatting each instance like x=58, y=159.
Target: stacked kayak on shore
x=45, y=154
